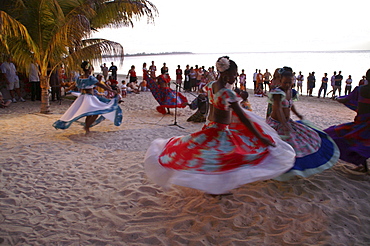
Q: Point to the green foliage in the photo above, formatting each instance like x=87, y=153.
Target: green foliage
x=52, y=32
x=55, y=32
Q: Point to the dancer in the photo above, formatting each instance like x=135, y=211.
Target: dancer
x=315, y=150
x=165, y=96
x=218, y=159
x=353, y=139
x=89, y=105
x=275, y=82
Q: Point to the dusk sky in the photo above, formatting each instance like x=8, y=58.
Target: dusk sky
x=213, y=26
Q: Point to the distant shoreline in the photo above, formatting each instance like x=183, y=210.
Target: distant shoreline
x=241, y=52
x=152, y=54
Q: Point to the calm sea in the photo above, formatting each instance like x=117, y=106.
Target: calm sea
x=353, y=63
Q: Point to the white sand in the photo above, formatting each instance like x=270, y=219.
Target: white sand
x=63, y=188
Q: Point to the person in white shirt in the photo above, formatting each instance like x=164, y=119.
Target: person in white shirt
x=332, y=82
x=300, y=79
x=255, y=79
x=294, y=80
x=34, y=78
x=348, y=87
x=11, y=79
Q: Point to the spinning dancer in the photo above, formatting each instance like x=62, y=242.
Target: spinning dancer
x=315, y=150
x=165, y=96
x=89, y=105
x=353, y=139
x=217, y=159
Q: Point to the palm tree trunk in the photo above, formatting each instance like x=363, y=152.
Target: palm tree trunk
x=45, y=104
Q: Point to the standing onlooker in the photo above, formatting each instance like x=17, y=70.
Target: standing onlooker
x=55, y=84
x=193, y=79
x=132, y=74
x=324, y=85
x=187, y=85
x=145, y=72
x=338, y=83
x=215, y=73
x=259, y=80
x=332, y=81
x=200, y=74
x=211, y=75
x=294, y=80
x=348, y=87
x=104, y=70
x=255, y=79
x=179, y=76
x=242, y=80
x=113, y=69
x=34, y=78
x=300, y=79
x=152, y=70
x=311, y=83
x=307, y=86
x=266, y=79
x=164, y=69
x=11, y=79
x=123, y=88
x=62, y=73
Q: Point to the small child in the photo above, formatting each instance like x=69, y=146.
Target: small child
x=123, y=89
x=4, y=103
x=143, y=86
x=245, y=103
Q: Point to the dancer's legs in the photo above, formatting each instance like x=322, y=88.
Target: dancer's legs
x=89, y=121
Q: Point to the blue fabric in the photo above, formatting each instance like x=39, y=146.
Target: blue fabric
x=83, y=83
x=324, y=158
x=117, y=120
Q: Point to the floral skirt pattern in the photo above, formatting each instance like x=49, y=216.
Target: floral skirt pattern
x=303, y=139
x=315, y=150
x=166, y=97
x=353, y=139
x=217, y=158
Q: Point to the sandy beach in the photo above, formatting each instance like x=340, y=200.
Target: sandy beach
x=60, y=187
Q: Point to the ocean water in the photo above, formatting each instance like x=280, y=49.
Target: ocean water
x=354, y=63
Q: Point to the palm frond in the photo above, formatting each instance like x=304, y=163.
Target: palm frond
x=12, y=29
x=94, y=49
x=120, y=13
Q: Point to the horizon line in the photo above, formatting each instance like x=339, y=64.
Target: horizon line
x=235, y=52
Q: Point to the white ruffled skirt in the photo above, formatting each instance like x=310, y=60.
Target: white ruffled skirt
x=86, y=105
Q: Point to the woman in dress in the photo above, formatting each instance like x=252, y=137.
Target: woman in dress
x=145, y=72
x=353, y=139
x=89, y=105
x=315, y=150
x=165, y=96
x=187, y=86
x=218, y=159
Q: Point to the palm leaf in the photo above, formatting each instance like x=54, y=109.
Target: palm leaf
x=94, y=49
